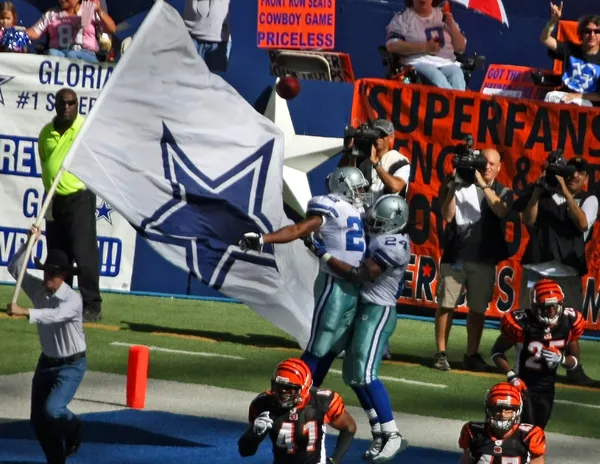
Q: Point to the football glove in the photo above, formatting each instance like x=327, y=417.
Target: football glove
x=252, y=241
x=553, y=357
x=315, y=244
x=515, y=381
x=262, y=423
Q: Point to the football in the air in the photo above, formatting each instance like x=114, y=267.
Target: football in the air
x=287, y=87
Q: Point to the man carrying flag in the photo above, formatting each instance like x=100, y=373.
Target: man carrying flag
x=192, y=166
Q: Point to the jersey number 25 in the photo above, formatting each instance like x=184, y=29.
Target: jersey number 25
x=355, y=237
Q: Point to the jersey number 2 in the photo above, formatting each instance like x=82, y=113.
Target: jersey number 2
x=285, y=439
x=355, y=238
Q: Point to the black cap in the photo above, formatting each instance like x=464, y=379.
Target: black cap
x=56, y=261
x=579, y=163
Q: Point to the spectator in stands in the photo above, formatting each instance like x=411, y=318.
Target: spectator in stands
x=13, y=38
x=581, y=62
x=427, y=38
x=474, y=243
x=208, y=24
x=72, y=225
x=560, y=215
x=73, y=29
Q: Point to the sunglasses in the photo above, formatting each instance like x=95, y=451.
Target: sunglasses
x=66, y=103
x=591, y=31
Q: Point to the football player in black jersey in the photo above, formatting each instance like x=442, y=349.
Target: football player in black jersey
x=502, y=438
x=294, y=415
x=549, y=336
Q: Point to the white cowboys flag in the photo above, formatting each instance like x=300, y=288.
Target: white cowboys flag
x=192, y=166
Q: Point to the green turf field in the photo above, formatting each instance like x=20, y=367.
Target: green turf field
x=233, y=329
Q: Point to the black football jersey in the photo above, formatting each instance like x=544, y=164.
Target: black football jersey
x=297, y=434
x=523, y=328
x=525, y=441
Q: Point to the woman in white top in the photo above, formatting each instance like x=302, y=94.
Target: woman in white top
x=426, y=37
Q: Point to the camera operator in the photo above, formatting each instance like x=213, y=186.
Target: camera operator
x=559, y=214
x=386, y=169
x=474, y=204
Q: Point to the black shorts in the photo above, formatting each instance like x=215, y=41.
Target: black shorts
x=537, y=407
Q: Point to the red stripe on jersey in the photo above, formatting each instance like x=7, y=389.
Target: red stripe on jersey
x=336, y=408
x=536, y=441
x=465, y=436
x=511, y=329
x=577, y=328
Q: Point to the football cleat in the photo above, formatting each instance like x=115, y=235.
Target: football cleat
x=393, y=443
x=375, y=447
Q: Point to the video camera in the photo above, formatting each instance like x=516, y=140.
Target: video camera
x=557, y=166
x=358, y=141
x=467, y=160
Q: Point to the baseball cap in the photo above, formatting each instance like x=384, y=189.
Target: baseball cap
x=56, y=261
x=579, y=163
x=384, y=126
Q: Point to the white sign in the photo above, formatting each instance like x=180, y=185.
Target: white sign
x=28, y=86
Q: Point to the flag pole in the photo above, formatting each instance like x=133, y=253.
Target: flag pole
x=31, y=239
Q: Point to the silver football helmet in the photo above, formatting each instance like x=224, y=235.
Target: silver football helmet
x=348, y=182
x=389, y=215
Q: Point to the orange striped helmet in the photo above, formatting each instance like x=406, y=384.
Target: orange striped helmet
x=547, y=301
x=291, y=383
x=500, y=398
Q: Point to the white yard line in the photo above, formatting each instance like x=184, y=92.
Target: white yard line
x=574, y=403
x=190, y=353
x=401, y=380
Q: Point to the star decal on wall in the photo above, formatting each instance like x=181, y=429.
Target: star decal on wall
x=302, y=154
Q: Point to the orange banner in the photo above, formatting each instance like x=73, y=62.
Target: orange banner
x=512, y=81
x=429, y=122
x=296, y=24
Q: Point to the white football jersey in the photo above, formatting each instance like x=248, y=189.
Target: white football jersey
x=342, y=229
x=392, y=252
x=408, y=26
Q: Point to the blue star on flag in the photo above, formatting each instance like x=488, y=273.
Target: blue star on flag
x=207, y=216
x=104, y=211
x=3, y=80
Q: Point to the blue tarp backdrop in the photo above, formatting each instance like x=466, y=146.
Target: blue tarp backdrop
x=360, y=28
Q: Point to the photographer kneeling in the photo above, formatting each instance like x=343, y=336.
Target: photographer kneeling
x=474, y=204
x=559, y=214
x=386, y=170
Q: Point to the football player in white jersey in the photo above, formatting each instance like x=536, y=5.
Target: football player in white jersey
x=381, y=276
x=337, y=218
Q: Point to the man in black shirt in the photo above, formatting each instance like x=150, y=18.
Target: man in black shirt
x=581, y=62
x=559, y=220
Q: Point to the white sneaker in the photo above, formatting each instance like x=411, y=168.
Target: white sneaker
x=375, y=446
x=393, y=443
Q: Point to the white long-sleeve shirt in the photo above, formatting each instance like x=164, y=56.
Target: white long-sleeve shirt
x=59, y=316
x=207, y=20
